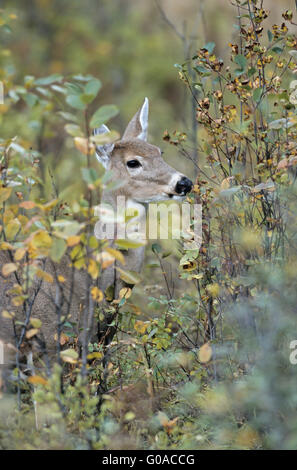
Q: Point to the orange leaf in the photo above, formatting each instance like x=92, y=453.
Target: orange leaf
x=205, y=353
x=73, y=240
x=37, y=380
x=27, y=204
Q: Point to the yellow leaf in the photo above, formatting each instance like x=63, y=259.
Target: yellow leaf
x=97, y=294
x=18, y=301
x=31, y=333
x=95, y=355
x=27, y=204
x=36, y=323
x=198, y=276
x=205, y=353
x=4, y=194
x=140, y=326
x=93, y=269
x=44, y=276
x=9, y=268
x=63, y=338
x=6, y=314
x=83, y=145
x=19, y=254
x=73, y=240
x=12, y=228
x=61, y=278
x=41, y=241
x=105, y=259
x=6, y=246
x=69, y=355
x=118, y=255
x=37, y=380
x=125, y=292
x=48, y=206
x=213, y=289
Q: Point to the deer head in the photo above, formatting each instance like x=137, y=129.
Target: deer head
x=146, y=177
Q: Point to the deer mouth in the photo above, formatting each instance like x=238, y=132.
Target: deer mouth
x=176, y=197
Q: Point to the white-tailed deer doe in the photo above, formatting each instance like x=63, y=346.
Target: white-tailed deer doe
x=145, y=178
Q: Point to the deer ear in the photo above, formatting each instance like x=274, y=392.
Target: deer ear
x=137, y=127
x=103, y=152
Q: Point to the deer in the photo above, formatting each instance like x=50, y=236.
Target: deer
x=145, y=177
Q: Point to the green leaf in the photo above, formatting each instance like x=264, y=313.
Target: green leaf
x=89, y=175
x=241, y=61
x=293, y=53
x=277, y=50
x=130, y=277
x=239, y=72
x=73, y=88
x=210, y=47
x=92, y=87
x=103, y=114
x=251, y=71
x=257, y=94
x=156, y=248
x=74, y=130
x=68, y=116
x=201, y=69
x=128, y=244
x=50, y=79
x=87, y=99
x=58, y=249
x=75, y=102
x=6, y=28
x=67, y=227
x=30, y=99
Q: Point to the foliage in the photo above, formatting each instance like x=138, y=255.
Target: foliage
x=206, y=369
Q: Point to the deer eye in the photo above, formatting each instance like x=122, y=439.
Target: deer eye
x=133, y=164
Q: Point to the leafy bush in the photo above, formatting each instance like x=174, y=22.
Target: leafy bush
x=210, y=368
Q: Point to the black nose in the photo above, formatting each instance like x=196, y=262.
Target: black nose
x=183, y=186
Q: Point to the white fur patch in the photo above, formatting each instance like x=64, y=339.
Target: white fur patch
x=103, y=152
x=143, y=118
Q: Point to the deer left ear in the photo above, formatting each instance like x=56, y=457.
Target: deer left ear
x=137, y=127
x=103, y=152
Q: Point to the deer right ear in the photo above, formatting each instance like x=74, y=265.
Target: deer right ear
x=103, y=152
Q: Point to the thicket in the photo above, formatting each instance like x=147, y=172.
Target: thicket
x=207, y=369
